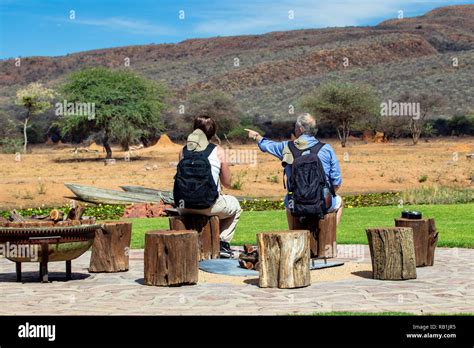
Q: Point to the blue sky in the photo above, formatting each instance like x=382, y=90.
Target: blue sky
x=44, y=27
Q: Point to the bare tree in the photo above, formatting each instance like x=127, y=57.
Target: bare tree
x=428, y=103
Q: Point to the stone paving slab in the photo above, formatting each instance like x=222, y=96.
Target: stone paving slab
x=447, y=287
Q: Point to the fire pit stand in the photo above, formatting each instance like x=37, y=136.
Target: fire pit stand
x=43, y=269
x=54, y=243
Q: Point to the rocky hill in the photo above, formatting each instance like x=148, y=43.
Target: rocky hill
x=268, y=72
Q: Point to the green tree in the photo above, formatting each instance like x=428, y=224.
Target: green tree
x=462, y=124
x=127, y=107
x=36, y=99
x=218, y=105
x=342, y=104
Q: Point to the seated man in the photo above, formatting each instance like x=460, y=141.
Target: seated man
x=305, y=130
x=202, y=168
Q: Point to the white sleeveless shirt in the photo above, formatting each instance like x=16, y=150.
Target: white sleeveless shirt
x=215, y=167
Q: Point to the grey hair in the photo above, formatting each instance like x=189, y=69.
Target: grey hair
x=307, y=124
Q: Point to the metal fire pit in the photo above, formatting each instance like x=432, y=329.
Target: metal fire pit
x=48, y=242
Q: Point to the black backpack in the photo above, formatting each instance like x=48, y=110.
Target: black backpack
x=194, y=186
x=309, y=192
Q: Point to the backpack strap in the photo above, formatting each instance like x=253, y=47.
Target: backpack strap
x=210, y=147
x=186, y=152
x=315, y=149
x=294, y=150
x=295, y=153
x=298, y=153
x=205, y=153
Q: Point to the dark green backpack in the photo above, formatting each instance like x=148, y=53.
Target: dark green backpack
x=194, y=186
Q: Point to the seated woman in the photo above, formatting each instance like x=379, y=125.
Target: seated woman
x=201, y=170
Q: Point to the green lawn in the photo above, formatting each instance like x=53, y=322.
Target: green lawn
x=455, y=223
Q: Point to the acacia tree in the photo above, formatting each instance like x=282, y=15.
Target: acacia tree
x=342, y=104
x=427, y=104
x=127, y=107
x=36, y=99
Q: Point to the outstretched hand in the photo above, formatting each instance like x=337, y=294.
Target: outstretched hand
x=252, y=134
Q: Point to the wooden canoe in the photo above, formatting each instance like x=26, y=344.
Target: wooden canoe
x=108, y=196
x=166, y=196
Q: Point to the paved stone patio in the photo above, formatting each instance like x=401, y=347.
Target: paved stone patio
x=447, y=287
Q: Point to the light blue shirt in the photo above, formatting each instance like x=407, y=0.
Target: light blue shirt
x=326, y=155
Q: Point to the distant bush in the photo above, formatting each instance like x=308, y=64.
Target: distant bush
x=11, y=145
x=238, y=182
x=272, y=178
x=240, y=134
x=423, y=178
x=462, y=125
x=457, y=125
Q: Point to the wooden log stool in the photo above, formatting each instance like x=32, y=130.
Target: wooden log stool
x=323, y=234
x=284, y=259
x=111, y=247
x=392, y=252
x=425, y=238
x=208, y=233
x=171, y=258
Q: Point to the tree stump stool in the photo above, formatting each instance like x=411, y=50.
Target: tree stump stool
x=208, y=233
x=171, y=258
x=284, y=259
x=425, y=238
x=111, y=247
x=392, y=252
x=323, y=234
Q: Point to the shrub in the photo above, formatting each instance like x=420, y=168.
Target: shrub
x=238, y=183
x=423, y=178
x=241, y=135
x=272, y=178
x=457, y=125
x=462, y=125
x=11, y=145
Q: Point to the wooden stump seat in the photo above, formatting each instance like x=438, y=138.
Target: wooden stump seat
x=323, y=234
x=208, y=233
x=284, y=259
x=171, y=258
x=425, y=238
x=111, y=247
x=392, y=252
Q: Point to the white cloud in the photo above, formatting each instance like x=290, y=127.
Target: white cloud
x=127, y=25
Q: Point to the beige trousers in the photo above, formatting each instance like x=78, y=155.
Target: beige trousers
x=227, y=208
